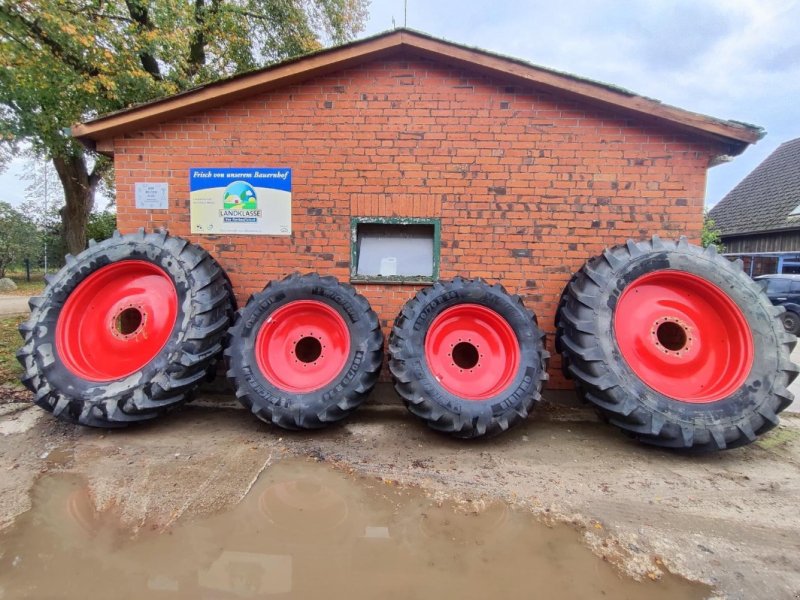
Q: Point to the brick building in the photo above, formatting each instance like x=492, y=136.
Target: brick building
x=492, y=167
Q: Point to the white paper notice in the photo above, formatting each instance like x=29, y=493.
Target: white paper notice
x=152, y=196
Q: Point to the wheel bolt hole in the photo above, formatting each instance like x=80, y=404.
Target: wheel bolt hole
x=671, y=335
x=128, y=321
x=465, y=355
x=308, y=349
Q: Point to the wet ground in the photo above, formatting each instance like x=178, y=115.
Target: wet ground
x=306, y=530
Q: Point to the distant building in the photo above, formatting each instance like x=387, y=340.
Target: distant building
x=760, y=217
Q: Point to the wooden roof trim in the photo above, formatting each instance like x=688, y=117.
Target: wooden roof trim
x=286, y=73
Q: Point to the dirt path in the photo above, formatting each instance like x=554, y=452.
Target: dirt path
x=729, y=519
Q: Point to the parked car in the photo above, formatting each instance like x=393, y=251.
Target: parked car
x=784, y=290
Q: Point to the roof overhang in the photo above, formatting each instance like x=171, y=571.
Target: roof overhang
x=99, y=132
x=789, y=227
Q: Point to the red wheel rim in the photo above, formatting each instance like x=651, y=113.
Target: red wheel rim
x=683, y=336
x=472, y=351
x=302, y=346
x=116, y=320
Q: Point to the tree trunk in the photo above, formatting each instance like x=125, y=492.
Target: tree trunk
x=79, y=188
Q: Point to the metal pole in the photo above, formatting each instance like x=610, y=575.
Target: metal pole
x=46, y=216
x=405, y=13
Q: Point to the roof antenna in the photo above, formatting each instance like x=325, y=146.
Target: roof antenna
x=405, y=14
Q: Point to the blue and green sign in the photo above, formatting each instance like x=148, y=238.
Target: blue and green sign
x=251, y=201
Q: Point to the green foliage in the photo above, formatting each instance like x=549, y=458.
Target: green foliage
x=10, y=369
x=101, y=225
x=66, y=61
x=711, y=234
x=6, y=154
x=19, y=237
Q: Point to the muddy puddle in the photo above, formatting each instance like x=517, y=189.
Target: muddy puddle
x=307, y=531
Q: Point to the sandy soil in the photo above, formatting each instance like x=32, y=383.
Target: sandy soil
x=729, y=519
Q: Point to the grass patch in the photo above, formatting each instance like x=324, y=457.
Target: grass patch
x=779, y=436
x=34, y=287
x=10, y=341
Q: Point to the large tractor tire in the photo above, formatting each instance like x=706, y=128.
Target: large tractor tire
x=305, y=352
x=126, y=330
x=562, y=302
x=675, y=345
x=467, y=358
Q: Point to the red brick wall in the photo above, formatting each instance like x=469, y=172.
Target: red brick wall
x=528, y=185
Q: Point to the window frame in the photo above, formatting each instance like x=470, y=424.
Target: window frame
x=394, y=279
x=776, y=282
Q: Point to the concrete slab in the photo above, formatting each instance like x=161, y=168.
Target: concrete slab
x=14, y=305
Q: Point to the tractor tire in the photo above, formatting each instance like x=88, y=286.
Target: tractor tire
x=559, y=347
x=559, y=323
x=305, y=352
x=676, y=346
x=467, y=358
x=126, y=330
x=218, y=363
x=791, y=322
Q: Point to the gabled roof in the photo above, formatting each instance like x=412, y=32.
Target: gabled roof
x=412, y=43
x=764, y=200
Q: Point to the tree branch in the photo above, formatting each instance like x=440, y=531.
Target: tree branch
x=141, y=17
x=101, y=167
x=197, y=47
x=98, y=15
x=16, y=39
x=248, y=13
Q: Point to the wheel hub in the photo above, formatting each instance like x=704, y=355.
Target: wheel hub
x=683, y=336
x=116, y=320
x=672, y=335
x=472, y=351
x=128, y=322
x=302, y=346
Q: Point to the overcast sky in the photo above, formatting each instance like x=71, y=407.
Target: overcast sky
x=733, y=59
